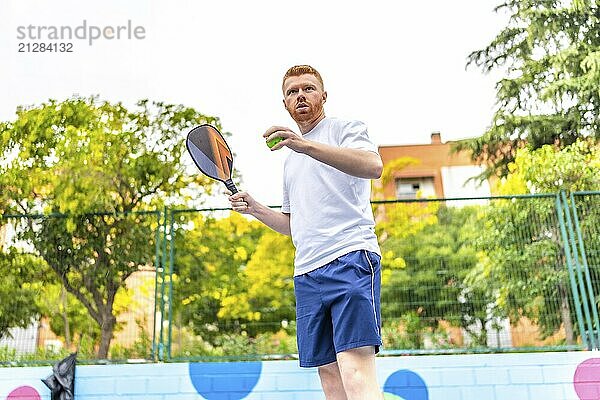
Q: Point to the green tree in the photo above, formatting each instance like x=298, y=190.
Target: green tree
x=398, y=220
x=524, y=269
x=68, y=318
x=550, y=51
x=269, y=276
x=433, y=284
x=525, y=265
x=550, y=169
x=83, y=155
x=19, y=288
x=211, y=255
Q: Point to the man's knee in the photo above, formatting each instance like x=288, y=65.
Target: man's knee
x=354, y=378
x=331, y=380
x=357, y=369
x=330, y=373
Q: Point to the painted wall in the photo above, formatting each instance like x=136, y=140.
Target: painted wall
x=456, y=181
x=533, y=376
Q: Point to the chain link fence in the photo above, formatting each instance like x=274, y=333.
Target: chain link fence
x=510, y=273
x=83, y=283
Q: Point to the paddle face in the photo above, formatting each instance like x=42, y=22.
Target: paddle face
x=211, y=154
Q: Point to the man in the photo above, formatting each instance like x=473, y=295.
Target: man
x=327, y=212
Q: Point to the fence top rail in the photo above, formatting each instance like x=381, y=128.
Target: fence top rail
x=391, y=201
x=189, y=210
x=94, y=214
x=443, y=199
x=437, y=199
x=586, y=193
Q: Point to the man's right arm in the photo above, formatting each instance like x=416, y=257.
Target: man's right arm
x=243, y=203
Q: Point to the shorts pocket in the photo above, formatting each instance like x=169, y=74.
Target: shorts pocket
x=374, y=259
x=303, y=312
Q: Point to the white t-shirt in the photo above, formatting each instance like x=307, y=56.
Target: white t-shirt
x=330, y=211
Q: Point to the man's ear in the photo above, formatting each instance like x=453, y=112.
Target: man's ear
x=324, y=97
x=284, y=106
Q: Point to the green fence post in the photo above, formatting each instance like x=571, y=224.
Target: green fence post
x=171, y=261
x=588, y=278
x=561, y=218
x=161, y=344
x=156, y=271
x=578, y=269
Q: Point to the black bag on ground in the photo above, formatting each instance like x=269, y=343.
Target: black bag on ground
x=62, y=381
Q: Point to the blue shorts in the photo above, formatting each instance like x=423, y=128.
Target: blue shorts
x=337, y=308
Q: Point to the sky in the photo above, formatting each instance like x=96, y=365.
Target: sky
x=399, y=66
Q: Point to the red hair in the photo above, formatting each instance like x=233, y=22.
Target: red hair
x=298, y=70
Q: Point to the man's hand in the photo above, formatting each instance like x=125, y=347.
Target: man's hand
x=289, y=138
x=243, y=203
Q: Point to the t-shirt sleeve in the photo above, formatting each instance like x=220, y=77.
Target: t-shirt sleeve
x=354, y=135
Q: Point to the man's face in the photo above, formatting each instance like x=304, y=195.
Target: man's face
x=304, y=97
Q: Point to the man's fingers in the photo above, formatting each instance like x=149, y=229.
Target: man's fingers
x=236, y=196
x=239, y=201
x=274, y=129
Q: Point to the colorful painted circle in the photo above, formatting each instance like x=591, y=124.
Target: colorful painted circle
x=587, y=379
x=24, y=393
x=405, y=385
x=389, y=396
x=225, y=381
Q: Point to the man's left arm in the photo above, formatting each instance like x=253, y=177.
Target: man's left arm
x=352, y=161
x=356, y=162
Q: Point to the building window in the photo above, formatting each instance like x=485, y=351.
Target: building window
x=411, y=188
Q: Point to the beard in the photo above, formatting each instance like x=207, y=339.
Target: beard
x=311, y=113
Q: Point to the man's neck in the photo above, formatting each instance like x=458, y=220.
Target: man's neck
x=307, y=126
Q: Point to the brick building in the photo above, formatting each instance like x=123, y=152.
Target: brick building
x=439, y=172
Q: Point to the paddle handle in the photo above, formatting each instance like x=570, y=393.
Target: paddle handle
x=231, y=186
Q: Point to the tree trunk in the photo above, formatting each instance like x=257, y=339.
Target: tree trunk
x=63, y=299
x=106, y=333
x=565, y=314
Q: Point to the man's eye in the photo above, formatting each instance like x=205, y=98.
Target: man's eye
x=292, y=91
x=309, y=89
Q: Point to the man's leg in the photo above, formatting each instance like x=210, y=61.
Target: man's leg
x=357, y=370
x=331, y=381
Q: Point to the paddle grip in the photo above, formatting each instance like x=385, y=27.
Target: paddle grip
x=231, y=186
